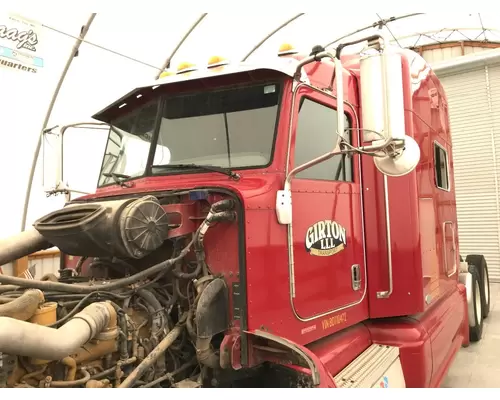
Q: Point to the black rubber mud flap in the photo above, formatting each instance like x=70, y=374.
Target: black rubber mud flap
x=212, y=310
x=479, y=262
x=476, y=332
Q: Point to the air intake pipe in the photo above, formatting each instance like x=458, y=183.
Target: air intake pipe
x=21, y=245
x=41, y=342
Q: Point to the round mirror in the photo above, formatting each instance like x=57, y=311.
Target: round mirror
x=402, y=164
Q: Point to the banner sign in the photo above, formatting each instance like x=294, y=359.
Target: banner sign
x=20, y=43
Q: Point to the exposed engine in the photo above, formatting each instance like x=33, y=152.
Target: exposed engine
x=142, y=308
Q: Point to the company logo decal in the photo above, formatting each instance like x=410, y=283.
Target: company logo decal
x=20, y=43
x=325, y=238
x=384, y=383
x=26, y=39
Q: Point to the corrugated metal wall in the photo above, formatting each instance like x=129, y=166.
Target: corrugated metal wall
x=474, y=107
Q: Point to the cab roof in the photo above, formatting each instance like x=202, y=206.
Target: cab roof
x=283, y=66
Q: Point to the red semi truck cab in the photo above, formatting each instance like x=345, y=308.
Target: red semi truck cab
x=343, y=262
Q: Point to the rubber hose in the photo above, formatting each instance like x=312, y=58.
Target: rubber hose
x=49, y=277
x=199, y=236
x=155, y=308
x=187, y=275
x=24, y=306
x=119, y=283
x=205, y=354
x=190, y=326
x=112, y=370
x=157, y=326
x=68, y=384
x=122, y=322
x=71, y=364
x=171, y=375
x=25, y=339
x=8, y=288
x=222, y=205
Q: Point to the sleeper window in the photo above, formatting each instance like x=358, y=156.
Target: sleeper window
x=441, y=167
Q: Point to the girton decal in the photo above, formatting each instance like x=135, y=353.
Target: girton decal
x=326, y=238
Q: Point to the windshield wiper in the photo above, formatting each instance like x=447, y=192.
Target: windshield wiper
x=212, y=168
x=120, y=179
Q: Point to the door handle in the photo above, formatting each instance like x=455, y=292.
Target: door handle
x=356, y=277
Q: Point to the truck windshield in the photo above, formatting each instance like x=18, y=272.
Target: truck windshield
x=229, y=128
x=128, y=145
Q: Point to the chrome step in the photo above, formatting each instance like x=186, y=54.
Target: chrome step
x=378, y=366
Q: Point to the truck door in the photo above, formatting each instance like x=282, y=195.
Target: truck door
x=327, y=263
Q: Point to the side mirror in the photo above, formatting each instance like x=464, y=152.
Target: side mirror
x=383, y=124
x=382, y=102
x=72, y=158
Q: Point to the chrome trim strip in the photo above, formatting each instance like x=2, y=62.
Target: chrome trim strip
x=388, y=293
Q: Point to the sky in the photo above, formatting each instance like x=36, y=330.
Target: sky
x=97, y=76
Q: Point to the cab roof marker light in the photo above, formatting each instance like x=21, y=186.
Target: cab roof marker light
x=155, y=87
x=166, y=73
x=139, y=96
x=185, y=67
x=287, y=49
x=217, y=61
x=122, y=105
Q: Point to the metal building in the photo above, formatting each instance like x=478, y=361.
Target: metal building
x=470, y=73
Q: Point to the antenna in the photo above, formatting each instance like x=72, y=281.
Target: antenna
x=271, y=34
x=380, y=24
x=383, y=22
x=166, y=64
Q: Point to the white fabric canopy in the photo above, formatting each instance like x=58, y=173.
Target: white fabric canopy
x=99, y=75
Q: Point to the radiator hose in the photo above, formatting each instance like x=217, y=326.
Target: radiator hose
x=205, y=354
x=41, y=342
